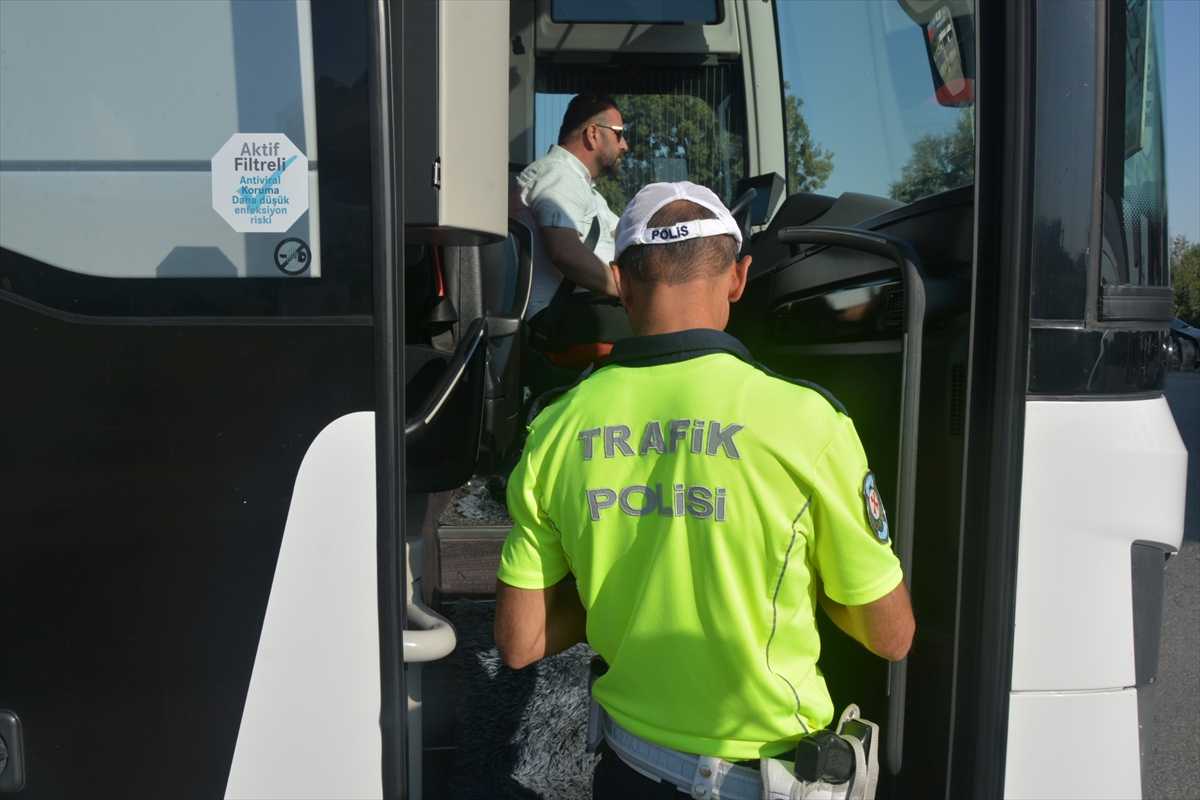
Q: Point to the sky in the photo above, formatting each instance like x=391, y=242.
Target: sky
x=1181, y=18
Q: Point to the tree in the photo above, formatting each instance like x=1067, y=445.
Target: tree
x=1185, y=278
x=938, y=162
x=673, y=137
x=809, y=167
x=678, y=136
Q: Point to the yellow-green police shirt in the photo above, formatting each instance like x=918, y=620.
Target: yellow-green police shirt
x=696, y=497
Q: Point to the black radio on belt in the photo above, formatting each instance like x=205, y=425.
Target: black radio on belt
x=826, y=756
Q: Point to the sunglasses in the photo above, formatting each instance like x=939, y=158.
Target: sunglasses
x=619, y=130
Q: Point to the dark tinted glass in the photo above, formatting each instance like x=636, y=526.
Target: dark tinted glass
x=1134, y=250
x=639, y=11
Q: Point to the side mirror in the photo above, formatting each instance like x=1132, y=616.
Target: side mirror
x=1183, y=346
x=949, y=32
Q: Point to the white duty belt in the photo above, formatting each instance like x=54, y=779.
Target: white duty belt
x=712, y=778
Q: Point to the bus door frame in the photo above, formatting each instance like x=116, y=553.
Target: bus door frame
x=387, y=143
x=996, y=380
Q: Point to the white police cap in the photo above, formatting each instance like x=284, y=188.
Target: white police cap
x=632, y=228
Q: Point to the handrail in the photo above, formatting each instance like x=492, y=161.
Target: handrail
x=741, y=210
x=743, y=202
x=416, y=426
x=913, y=276
x=430, y=635
x=523, y=238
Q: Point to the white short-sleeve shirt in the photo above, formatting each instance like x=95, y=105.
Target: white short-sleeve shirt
x=557, y=191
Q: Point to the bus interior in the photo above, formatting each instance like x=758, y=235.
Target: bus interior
x=718, y=93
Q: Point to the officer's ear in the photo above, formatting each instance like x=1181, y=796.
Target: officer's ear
x=736, y=277
x=623, y=284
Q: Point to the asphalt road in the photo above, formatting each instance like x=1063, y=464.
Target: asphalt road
x=1174, y=761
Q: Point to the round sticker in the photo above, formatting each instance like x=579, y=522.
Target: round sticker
x=873, y=503
x=292, y=256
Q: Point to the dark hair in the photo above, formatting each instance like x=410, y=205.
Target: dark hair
x=582, y=108
x=679, y=262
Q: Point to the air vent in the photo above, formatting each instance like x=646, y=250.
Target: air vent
x=958, y=400
x=893, y=316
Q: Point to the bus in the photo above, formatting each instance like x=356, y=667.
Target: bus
x=262, y=340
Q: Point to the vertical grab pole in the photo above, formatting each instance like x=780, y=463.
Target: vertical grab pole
x=913, y=277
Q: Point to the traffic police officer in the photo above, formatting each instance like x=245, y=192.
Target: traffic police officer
x=686, y=510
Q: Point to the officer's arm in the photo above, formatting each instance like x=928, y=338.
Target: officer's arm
x=885, y=626
x=565, y=248
x=534, y=623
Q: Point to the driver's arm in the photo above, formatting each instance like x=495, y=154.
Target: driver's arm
x=884, y=626
x=534, y=623
x=566, y=250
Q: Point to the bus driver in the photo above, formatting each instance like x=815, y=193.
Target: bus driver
x=686, y=509
x=556, y=198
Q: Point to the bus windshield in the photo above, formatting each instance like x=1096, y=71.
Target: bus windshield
x=879, y=98
x=682, y=123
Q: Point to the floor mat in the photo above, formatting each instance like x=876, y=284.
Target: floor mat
x=520, y=733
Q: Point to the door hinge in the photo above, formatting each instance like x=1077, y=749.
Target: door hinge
x=437, y=172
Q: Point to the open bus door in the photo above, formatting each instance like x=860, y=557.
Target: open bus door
x=920, y=147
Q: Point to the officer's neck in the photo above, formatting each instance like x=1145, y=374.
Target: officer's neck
x=657, y=307
x=661, y=308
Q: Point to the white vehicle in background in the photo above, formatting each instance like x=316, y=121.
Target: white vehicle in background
x=227, y=456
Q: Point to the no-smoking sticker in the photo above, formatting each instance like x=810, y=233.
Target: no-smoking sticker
x=292, y=256
x=260, y=182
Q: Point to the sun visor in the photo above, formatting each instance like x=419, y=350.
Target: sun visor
x=455, y=121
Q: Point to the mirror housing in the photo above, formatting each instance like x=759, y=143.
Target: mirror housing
x=949, y=32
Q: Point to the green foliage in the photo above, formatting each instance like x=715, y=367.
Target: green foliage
x=1185, y=278
x=673, y=137
x=938, y=162
x=676, y=136
x=809, y=167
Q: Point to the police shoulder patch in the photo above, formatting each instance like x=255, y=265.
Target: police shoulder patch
x=873, y=504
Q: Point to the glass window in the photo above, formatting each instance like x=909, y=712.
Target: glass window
x=878, y=96
x=113, y=114
x=152, y=141
x=1134, y=250
x=681, y=123
x=636, y=11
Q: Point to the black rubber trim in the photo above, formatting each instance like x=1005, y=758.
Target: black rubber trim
x=387, y=142
x=365, y=320
x=1147, y=562
x=997, y=379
